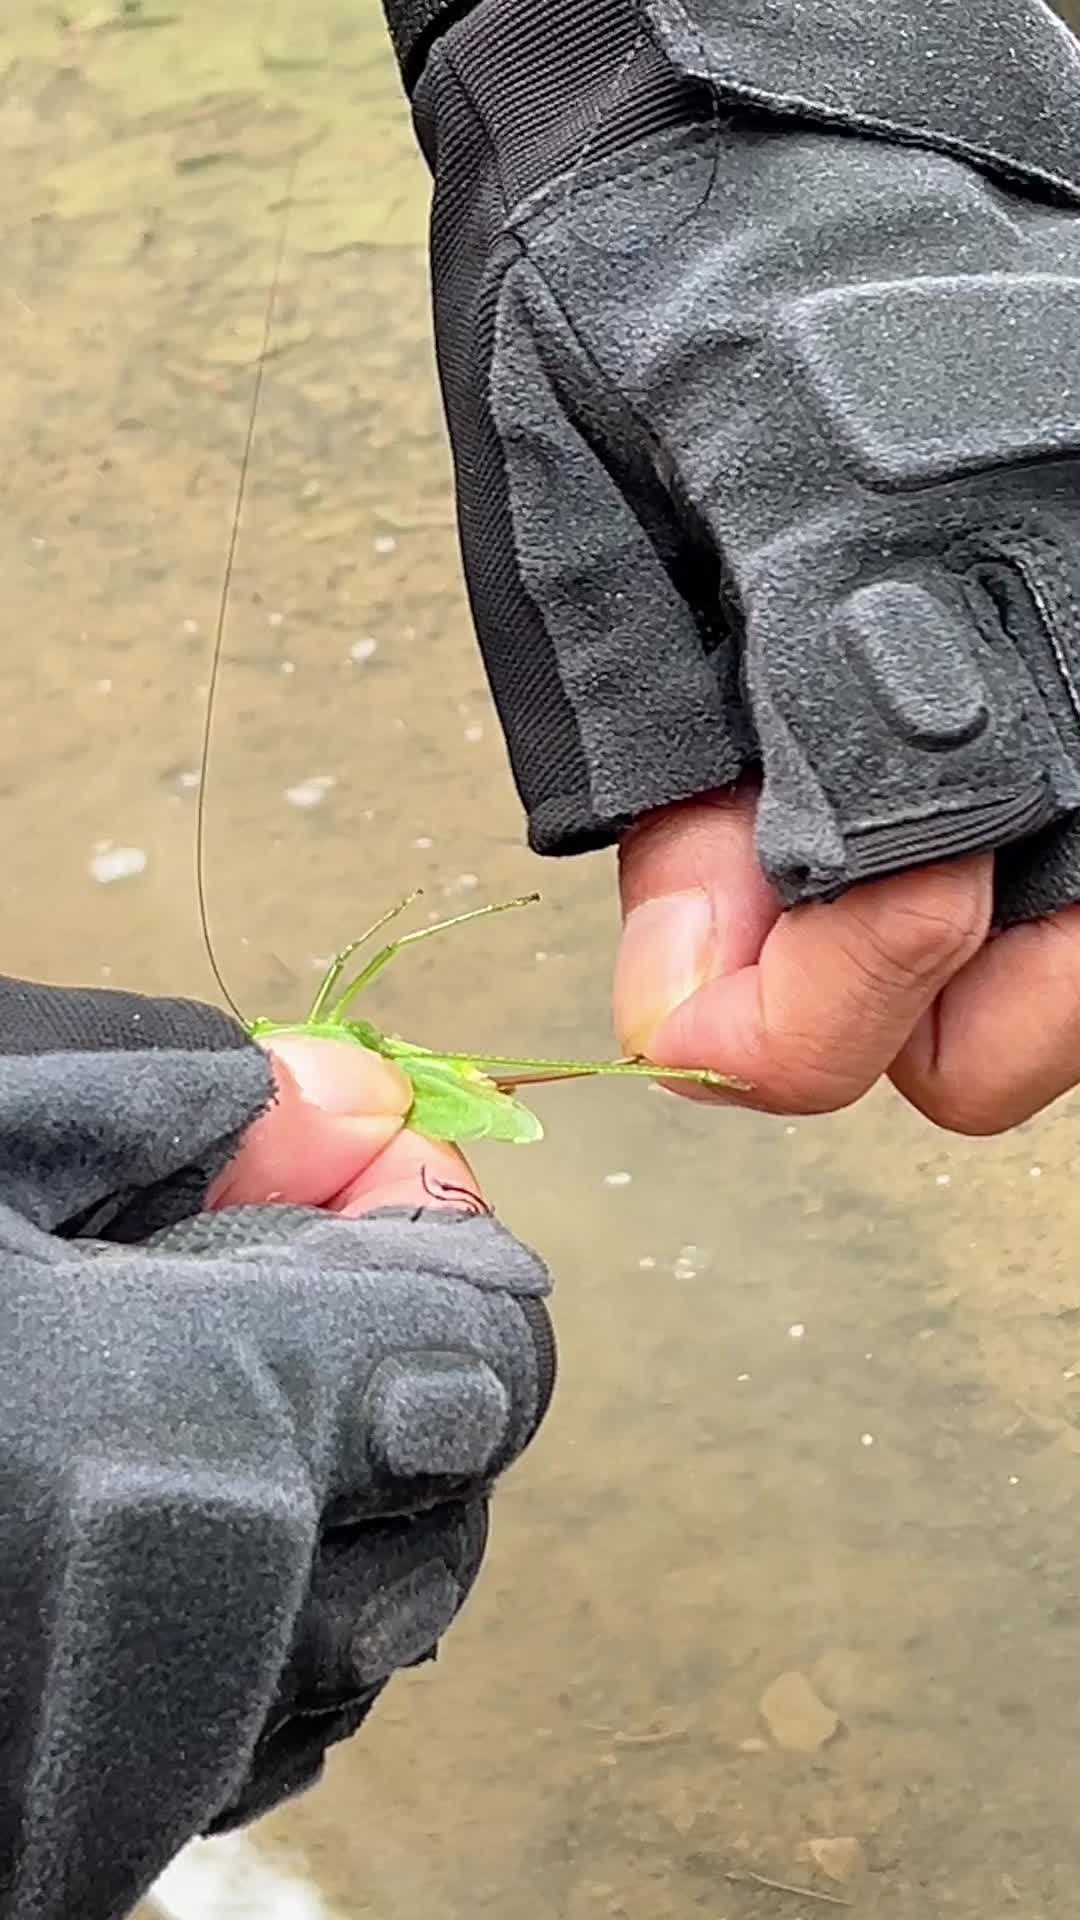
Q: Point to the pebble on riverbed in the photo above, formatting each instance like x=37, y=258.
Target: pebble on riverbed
x=840, y=1858
x=798, y=1720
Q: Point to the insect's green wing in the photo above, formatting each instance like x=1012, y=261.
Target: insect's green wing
x=511, y=1121
x=462, y=1106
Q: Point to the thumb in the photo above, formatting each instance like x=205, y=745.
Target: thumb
x=809, y=1007
x=337, y=1107
x=696, y=907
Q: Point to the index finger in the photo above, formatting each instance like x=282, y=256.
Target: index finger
x=836, y=990
x=416, y=1173
x=1004, y=1040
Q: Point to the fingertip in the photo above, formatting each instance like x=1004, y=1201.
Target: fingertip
x=663, y=958
x=720, y=1028
x=697, y=908
x=339, y=1077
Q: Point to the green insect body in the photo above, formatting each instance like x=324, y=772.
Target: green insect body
x=457, y=1097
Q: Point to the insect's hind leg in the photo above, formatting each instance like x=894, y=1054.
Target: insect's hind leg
x=341, y=960
x=386, y=954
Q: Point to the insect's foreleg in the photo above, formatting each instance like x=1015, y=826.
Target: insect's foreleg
x=386, y=954
x=341, y=960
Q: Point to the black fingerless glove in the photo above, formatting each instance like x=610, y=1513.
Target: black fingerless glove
x=759, y=333
x=245, y=1456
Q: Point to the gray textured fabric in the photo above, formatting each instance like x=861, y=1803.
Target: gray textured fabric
x=91, y=1113
x=781, y=420
x=857, y=365
x=244, y=1468
x=995, y=81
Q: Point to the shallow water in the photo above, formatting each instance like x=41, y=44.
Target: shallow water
x=820, y=1402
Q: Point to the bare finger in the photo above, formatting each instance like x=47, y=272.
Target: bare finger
x=1003, y=1040
x=697, y=907
x=837, y=990
x=413, y=1172
x=338, y=1107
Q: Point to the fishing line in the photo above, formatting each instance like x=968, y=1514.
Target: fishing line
x=223, y=605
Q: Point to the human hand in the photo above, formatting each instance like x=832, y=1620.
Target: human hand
x=766, y=443
x=249, y=1449
x=336, y=1138
x=757, y=467
x=811, y=1007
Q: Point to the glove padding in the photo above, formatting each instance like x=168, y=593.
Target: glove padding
x=759, y=331
x=244, y=1464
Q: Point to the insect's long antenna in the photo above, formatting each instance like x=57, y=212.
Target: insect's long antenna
x=223, y=604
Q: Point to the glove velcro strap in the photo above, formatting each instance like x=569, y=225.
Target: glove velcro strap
x=995, y=82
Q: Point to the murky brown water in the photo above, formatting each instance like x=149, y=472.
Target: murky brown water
x=820, y=1406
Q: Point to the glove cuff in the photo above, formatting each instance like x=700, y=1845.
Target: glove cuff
x=993, y=82
x=117, y=1111
x=546, y=82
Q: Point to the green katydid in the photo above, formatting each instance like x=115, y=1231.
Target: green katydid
x=459, y=1097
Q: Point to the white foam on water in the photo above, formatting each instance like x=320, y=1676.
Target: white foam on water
x=229, y=1879
x=110, y=863
x=310, y=793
